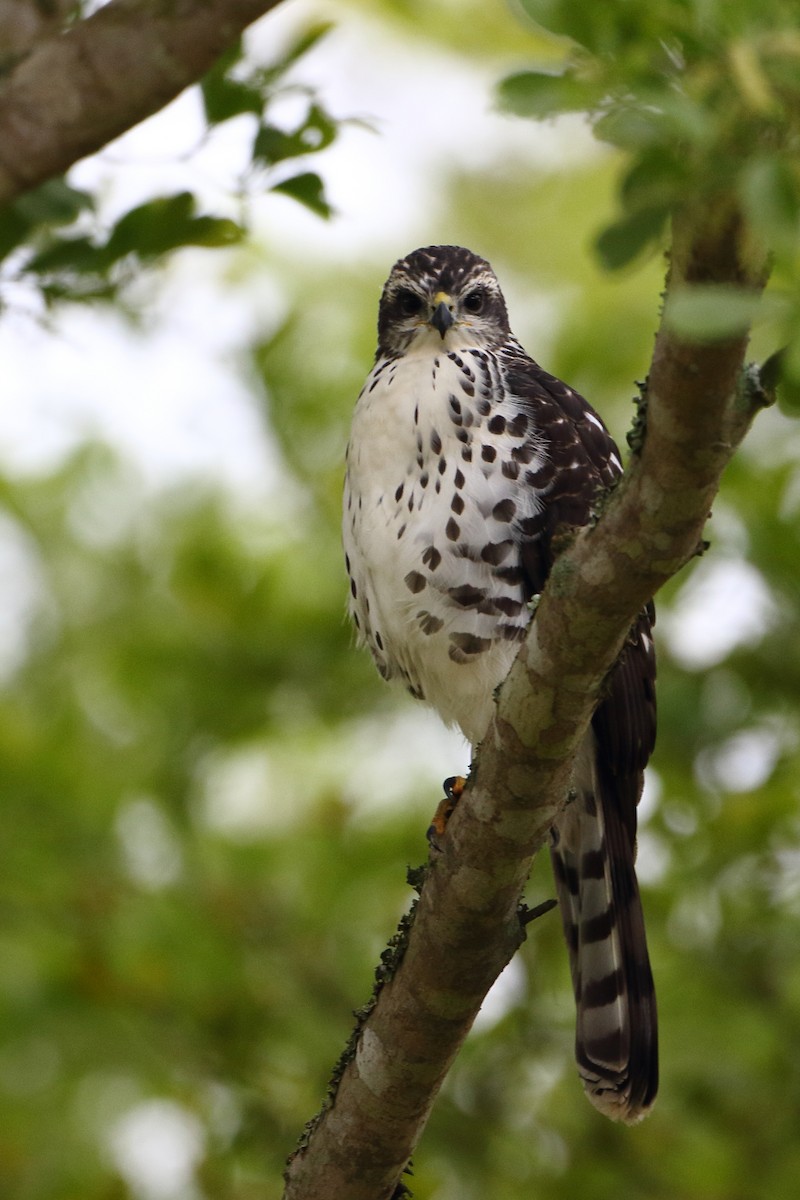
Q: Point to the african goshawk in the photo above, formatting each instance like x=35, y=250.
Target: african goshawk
x=465, y=459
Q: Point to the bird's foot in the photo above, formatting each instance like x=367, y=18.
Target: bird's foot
x=453, y=788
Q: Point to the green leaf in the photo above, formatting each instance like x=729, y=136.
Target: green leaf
x=788, y=373
x=711, y=312
x=622, y=242
x=309, y=190
x=53, y=203
x=770, y=190
x=225, y=97
x=273, y=145
x=655, y=180
x=629, y=127
x=165, y=224
x=13, y=230
x=298, y=48
x=78, y=254
x=545, y=94
x=588, y=24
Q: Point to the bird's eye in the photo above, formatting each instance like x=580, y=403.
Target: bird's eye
x=409, y=303
x=473, y=303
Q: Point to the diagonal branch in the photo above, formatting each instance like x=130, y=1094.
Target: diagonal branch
x=73, y=93
x=467, y=923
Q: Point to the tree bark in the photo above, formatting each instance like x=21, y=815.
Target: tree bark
x=468, y=922
x=72, y=94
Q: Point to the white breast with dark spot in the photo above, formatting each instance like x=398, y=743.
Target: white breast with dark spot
x=437, y=495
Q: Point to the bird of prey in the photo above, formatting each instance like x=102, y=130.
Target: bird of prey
x=465, y=460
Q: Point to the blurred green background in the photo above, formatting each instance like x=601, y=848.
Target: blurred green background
x=210, y=799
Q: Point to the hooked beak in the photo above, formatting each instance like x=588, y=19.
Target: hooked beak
x=441, y=317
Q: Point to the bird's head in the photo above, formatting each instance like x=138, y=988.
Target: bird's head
x=441, y=296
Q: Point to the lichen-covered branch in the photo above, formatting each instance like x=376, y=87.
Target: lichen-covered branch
x=71, y=94
x=468, y=924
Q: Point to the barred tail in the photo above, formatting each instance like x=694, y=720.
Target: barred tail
x=616, y=1040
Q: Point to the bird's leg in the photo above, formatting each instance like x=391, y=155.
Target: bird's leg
x=453, y=789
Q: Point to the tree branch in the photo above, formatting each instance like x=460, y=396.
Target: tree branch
x=75, y=92
x=467, y=924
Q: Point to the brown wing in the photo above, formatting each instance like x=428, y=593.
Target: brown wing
x=582, y=461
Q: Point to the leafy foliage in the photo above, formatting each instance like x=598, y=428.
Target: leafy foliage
x=54, y=238
x=704, y=101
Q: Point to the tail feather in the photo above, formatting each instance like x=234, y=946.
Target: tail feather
x=616, y=1034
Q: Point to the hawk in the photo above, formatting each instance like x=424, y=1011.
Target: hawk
x=464, y=461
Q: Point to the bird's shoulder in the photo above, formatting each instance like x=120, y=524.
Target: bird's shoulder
x=573, y=431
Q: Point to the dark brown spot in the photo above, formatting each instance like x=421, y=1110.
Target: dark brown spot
x=467, y=388
x=510, y=574
x=469, y=643
x=495, y=552
x=414, y=581
x=431, y=557
x=442, y=465
x=518, y=425
x=411, y=503
x=458, y=478
x=504, y=510
x=457, y=504
x=466, y=453
x=511, y=633
x=462, y=435
x=452, y=530
x=523, y=454
x=530, y=526
x=398, y=495
x=484, y=407
x=436, y=442
x=466, y=595
x=507, y=606
x=488, y=453
x=354, y=589
x=347, y=563
x=423, y=479
x=378, y=640
x=539, y=477
x=400, y=532
x=510, y=469
x=497, y=423
x=455, y=405
x=428, y=623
